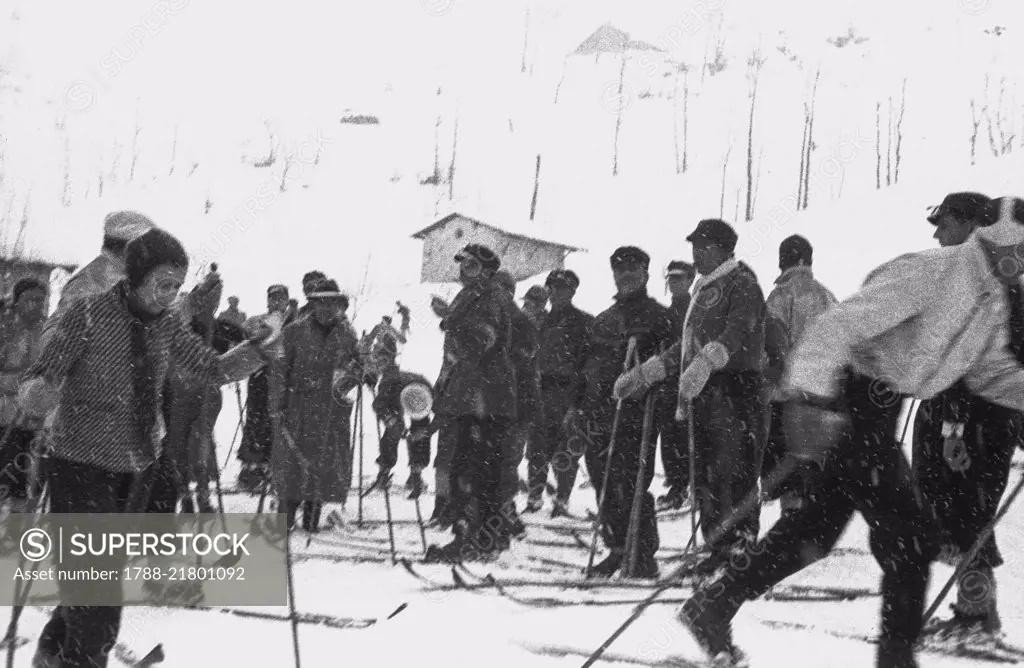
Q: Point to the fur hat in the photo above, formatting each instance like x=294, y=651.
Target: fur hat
x=126, y=225
x=147, y=252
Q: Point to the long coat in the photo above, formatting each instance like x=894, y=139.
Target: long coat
x=310, y=458
x=478, y=377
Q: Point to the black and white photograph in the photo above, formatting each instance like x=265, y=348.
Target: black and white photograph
x=533, y=333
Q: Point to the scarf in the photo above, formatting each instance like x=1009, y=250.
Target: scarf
x=143, y=371
x=688, y=349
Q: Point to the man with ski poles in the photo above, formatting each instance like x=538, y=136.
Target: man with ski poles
x=635, y=314
x=920, y=323
x=963, y=447
x=721, y=350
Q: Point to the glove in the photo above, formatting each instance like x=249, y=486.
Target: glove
x=954, y=450
x=439, y=306
x=811, y=432
x=205, y=297
x=639, y=379
x=36, y=398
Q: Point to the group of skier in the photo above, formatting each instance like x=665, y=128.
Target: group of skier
x=796, y=393
x=799, y=392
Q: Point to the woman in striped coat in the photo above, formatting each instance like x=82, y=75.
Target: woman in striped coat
x=105, y=366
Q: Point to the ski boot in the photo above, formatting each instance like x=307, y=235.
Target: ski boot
x=383, y=480
x=675, y=499
x=964, y=628
x=709, y=621
x=203, y=504
x=608, y=566
x=534, y=504
x=560, y=508
x=45, y=659
x=414, y=485
x=894, y=653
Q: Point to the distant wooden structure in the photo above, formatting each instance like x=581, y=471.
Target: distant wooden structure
x=522, y=256
x=13, y=270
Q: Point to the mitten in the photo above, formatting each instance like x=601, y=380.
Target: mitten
x=695, y=377
x=711, y=358
x=639, y=379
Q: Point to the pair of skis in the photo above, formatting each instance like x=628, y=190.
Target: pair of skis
x=991, y=650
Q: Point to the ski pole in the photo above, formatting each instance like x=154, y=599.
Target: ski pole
x=693, y=471
x=906, y=423
x=979, y=542
x=599, y=518
x=292, y=613
x=633, y=532
x=359, y=433
x=234, y=439
x=752, y=500
x=419, y=520
x=387, y=500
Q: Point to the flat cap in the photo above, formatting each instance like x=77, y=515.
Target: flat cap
x=624, y=254
x=968, y=205
x=565, y=277
x=483, y=254
x=715, y=232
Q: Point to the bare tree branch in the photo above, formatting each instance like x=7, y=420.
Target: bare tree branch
x=899, y=130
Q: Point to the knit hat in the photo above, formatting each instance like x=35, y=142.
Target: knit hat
x=126, y=225
x=1003, y=222
x=150, y=250
x=277, y=288
x=24, y=285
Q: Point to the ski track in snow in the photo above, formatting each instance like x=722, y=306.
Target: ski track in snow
x=346, y=588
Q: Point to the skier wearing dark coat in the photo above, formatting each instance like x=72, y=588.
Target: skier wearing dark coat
x=105, y=364
x=261, y=396
x=919, y=324
x=523, y=349
x=387, y=406
x=564, y=350
x=675, y=445
x=718, y=366
x=634, y=314
x=963, y=446
x=310, y=460
x=477, y=397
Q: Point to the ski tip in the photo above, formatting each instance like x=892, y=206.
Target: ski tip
x=398, y=610
x=155, y=656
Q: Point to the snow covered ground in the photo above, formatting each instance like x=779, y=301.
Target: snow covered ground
x=346, y=576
